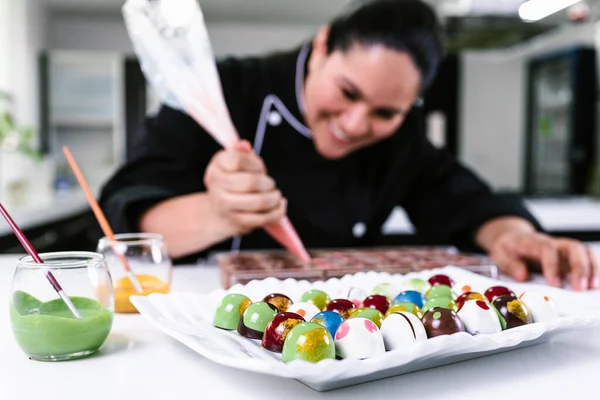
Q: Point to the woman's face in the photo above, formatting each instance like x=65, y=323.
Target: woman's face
x=356, y=98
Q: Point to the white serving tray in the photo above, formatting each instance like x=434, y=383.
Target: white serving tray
x=187, y=317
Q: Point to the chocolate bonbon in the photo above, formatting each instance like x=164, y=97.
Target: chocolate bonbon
x=442, y=321
x=341, y=306
x=497, y=291
x=460, y=288
x=378, y=302
x=479, y=317
x=541, y=307
x=469, y=296
x=308, y=341
x=358, y=338
x=439, y=291
x=305, y=309
x=370, y=313
x=444, y=302
x=411, y=296
x=230, y=310
x=281, y=301
x=416, y=284
x=405, y=307
x=512, y=312
x=329, y=319
x=318, y=297
x=278, y=329
x=255, y=319
x=402, y=330
x=441, y=279
x=388, y=290
x=356, y=295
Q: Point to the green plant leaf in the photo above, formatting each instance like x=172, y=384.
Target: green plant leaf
x=5, y=125
x=26, y=136
x=8, y=120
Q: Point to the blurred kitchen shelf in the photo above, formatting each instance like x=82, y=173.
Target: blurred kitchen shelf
x=82, y=122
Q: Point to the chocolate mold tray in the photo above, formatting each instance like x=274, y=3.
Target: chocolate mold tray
x=243, y=267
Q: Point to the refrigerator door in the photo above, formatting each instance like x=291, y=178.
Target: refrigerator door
x=561, y=123
x=551, y=134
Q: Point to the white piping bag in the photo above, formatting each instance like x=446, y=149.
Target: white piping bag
x=175, y=53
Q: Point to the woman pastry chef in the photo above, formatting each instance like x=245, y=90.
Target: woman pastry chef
x=338, y=144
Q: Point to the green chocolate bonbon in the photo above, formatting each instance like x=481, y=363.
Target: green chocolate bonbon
x=308, y=341
x=230, y=310
x=440, y=291
x=443, y=302
x=255, y=319
x=388, y=290
x=317, y=297
x=416, y=284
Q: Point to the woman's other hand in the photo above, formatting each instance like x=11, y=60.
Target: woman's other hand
x=517, y=249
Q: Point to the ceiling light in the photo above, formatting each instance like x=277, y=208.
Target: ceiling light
x=535, y=10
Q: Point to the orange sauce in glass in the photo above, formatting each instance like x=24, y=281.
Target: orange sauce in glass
x=123, y=289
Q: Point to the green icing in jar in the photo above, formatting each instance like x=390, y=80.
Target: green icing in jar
x=49, y=331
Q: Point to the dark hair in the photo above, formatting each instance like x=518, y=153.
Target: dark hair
x=410, y=26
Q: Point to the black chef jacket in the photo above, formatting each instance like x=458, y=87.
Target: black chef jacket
x=327, y=199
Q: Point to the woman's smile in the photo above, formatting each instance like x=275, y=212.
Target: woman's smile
x=339, y=135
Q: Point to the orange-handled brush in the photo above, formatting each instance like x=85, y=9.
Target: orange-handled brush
x=108, y=232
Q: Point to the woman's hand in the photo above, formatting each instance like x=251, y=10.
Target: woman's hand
x=241, y=195
x=517, y=249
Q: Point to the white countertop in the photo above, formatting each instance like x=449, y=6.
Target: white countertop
x=58, y=207
x=567, y=214
x=576, y=214
x=139, y=362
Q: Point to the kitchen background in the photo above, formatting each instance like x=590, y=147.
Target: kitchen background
x=517, y=100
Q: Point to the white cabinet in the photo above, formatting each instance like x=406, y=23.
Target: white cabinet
x=85, y=110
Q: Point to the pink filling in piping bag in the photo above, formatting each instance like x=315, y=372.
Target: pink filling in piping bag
x=175, y=53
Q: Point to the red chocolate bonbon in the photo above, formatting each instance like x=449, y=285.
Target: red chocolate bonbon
x=441, y=280
x=497, y=291
x=278, y=329
x=341, y=306
x=378, y=302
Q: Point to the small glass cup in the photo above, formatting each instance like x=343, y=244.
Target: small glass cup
x=147, y=258
x=43, y=325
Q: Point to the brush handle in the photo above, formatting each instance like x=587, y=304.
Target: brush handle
x=36, y=257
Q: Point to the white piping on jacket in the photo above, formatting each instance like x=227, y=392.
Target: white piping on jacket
x=300, y=75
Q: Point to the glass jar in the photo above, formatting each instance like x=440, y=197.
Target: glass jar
x=44, y=325
x=145, y=255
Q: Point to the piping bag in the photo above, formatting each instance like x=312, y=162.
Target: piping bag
x=174, y=50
